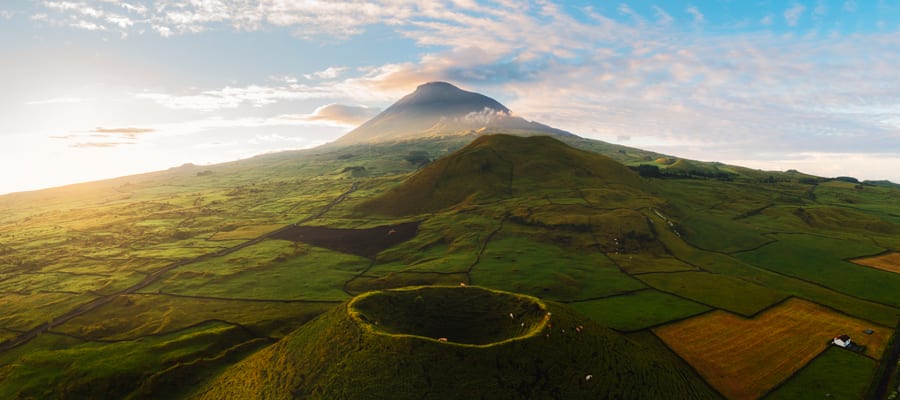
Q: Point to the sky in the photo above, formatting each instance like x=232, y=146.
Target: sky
x=93, y=89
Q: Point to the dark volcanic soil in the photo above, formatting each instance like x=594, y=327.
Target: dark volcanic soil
x=362, y=242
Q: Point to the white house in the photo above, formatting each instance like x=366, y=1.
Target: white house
x=842, y=341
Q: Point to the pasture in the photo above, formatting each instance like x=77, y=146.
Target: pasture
x=638, y=310
x=745, y=358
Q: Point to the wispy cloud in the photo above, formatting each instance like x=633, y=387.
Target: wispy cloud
x=698, y=16
x=104, y=137
x=662, y=17
x=792, y=15
x=60, y=100
x=849, y=6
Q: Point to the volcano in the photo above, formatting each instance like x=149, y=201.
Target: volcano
x=439, y=109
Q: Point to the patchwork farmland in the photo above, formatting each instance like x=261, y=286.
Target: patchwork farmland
x=743, y=358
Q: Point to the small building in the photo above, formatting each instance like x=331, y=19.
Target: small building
x=841, y=341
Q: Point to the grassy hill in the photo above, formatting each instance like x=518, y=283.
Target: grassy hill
x=495, y=167
x=499, y=345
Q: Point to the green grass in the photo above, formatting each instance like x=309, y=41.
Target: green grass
x=821, y=260
x=563, y=212
x=643, y=263
x=336, y=356
x=638, y=310
x=447, y=242
x=521, y=265
x=836, y=374
x=26, y=311
x=729, y=265
x=721, y=291
x=271, y=270
x=53, y=366
x=133, y=316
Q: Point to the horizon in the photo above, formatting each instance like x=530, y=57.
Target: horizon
x=103, y=89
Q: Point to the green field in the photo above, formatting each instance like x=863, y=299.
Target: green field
x=720, y=291
x=150, y=280
x=821, y=260
x=638, y=310
x=817, y=380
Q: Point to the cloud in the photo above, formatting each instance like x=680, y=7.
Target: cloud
x=662, y=17
x=104, y=137
x=850, y=6
x=130, y=133
x=792, y=15
x=100, y=145
x=698, y=16
x=342, y=115
x=328, y=73
x=61, y=100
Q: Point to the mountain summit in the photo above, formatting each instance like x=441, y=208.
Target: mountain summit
x=441, y=109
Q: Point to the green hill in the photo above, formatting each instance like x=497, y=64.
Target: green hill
x=455, y=343
x=495, y=167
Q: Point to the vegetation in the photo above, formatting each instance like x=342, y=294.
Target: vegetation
x=745, y=358
x=638, y=310
x=195, y=255
x=818, y=379
x=557, y=354
x=886, y=262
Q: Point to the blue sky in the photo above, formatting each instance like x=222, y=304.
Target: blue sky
x=101, y=88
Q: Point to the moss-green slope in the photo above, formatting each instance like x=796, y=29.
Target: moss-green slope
x=500, y=166
x=345, y=355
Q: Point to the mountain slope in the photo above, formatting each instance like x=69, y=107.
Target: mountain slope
x=441, y=109
x=500, y=166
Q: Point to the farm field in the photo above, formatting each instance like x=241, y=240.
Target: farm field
x=817, y=380
x=728, y=350
x=821, y=260
x=638, y=310
x=721, y=291
x=886, y=262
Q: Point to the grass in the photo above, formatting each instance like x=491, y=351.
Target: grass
x=646, y=263
x=720, y=291
x=25, y=311
x=270, y=270
x=463, y=316
x=886, y=262
x=732, y=266
x=245, y=232
x=133, y=316
x=821, y=260
x=819, y=379
x=55, y=366
x=521, y=265
x=638, y=310
x=337, y=356
x=569, y=220
x=745, y=358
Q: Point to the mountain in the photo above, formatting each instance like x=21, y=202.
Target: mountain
x=443, y=342
x=440, y=109
x=500, y=166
